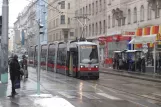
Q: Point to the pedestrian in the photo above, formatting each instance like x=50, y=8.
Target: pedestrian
x=143, y=65
x=14, y=73
x=25, y=66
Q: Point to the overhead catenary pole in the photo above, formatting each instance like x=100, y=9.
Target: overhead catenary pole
x=4, y=43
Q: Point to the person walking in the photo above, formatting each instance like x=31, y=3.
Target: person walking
x=25, y=66
x=14, y=73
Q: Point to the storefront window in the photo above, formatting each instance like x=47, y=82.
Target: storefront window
x=116, y=46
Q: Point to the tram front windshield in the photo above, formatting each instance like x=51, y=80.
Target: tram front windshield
x=88, y=54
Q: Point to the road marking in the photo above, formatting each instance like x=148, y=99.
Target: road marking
x=137, y=103
x=67, y=95
x=108, y=96
x=89, y=96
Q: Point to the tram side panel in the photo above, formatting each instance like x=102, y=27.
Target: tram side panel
x=43, y=56
x=51, y=57
x=61, y=59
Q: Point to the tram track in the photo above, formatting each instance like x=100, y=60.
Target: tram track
x=50, y=78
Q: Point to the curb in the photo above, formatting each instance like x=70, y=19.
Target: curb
x=131, y=76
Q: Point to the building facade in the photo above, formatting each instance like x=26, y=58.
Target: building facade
x=25, y=28
x=61, y=20
x=110, y=19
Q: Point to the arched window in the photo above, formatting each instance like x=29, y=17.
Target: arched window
x=129, y=16
x=113, y=20
x=149, y=12
x=109, y=19
x=135, y=15
x=142, y=13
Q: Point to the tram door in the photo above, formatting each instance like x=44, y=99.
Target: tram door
x=73, y=64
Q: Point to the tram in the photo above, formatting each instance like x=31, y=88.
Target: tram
x=74, y=58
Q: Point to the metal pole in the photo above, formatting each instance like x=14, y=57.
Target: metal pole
x=154, y=57
x=4, y=43
x=38, y=64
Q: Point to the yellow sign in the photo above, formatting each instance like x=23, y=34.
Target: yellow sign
x=158, y=37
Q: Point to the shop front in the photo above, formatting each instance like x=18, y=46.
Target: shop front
x=151, y=48
x=111, y=43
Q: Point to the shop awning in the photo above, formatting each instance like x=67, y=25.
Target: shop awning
x=143, y=39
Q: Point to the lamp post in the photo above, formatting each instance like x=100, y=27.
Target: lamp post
x=4, y=43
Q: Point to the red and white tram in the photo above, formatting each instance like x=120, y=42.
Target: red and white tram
x=77, y=59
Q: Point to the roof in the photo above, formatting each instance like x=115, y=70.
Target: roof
x=85, y=43
x=133, y=51
x=117, y=51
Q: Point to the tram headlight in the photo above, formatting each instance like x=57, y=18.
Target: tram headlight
x=96, y=66
x=82, y=66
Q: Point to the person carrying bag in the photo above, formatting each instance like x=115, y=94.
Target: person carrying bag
x=14, y=75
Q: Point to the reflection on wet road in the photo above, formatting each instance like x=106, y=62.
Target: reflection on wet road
x=108, y=91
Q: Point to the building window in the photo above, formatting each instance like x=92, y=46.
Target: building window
x=109, y=20
x=109, y=2
x=100, y=5
x=142, y=13
x=104, y=26
x=104, y=4
x=123, y=21
x=68, y=20
x=129, y=16
x=63, y=5
x=135, y=15
x=149, y=12
x=157, y=12
x=89, y=30
x=113, y=20
x=62, y=19
x=100, y=27
x=86, y=10
x=92, y=29
x=68, y=5
x=92, y=8
x=80, y=11
x=83, y=10
x=96, y=29
x=96, y=7
x=119, y=22
x=71, y=34
x=86, y=31
x=89, y=9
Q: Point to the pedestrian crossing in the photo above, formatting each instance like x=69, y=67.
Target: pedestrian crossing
x=88, y=95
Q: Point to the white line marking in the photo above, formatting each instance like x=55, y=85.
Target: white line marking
x=89, y=96
x=108, y=96
x=66, y=95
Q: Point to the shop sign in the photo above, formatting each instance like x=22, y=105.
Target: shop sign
x=127, y=33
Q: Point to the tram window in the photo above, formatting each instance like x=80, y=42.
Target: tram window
x=89, y=54
x=61, y=56
x=43, y=53
x=51, y=54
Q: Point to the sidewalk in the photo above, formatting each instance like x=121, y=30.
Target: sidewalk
x=27, y=96
x=131, y=74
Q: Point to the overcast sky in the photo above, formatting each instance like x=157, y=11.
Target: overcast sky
x=15, y=7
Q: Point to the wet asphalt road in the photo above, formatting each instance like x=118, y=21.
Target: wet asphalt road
x=108, y=91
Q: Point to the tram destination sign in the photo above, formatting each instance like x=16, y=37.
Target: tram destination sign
x=89, y=47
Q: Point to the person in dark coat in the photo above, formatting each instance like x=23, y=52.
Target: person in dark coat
x=14, y=73
x=24, y=65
